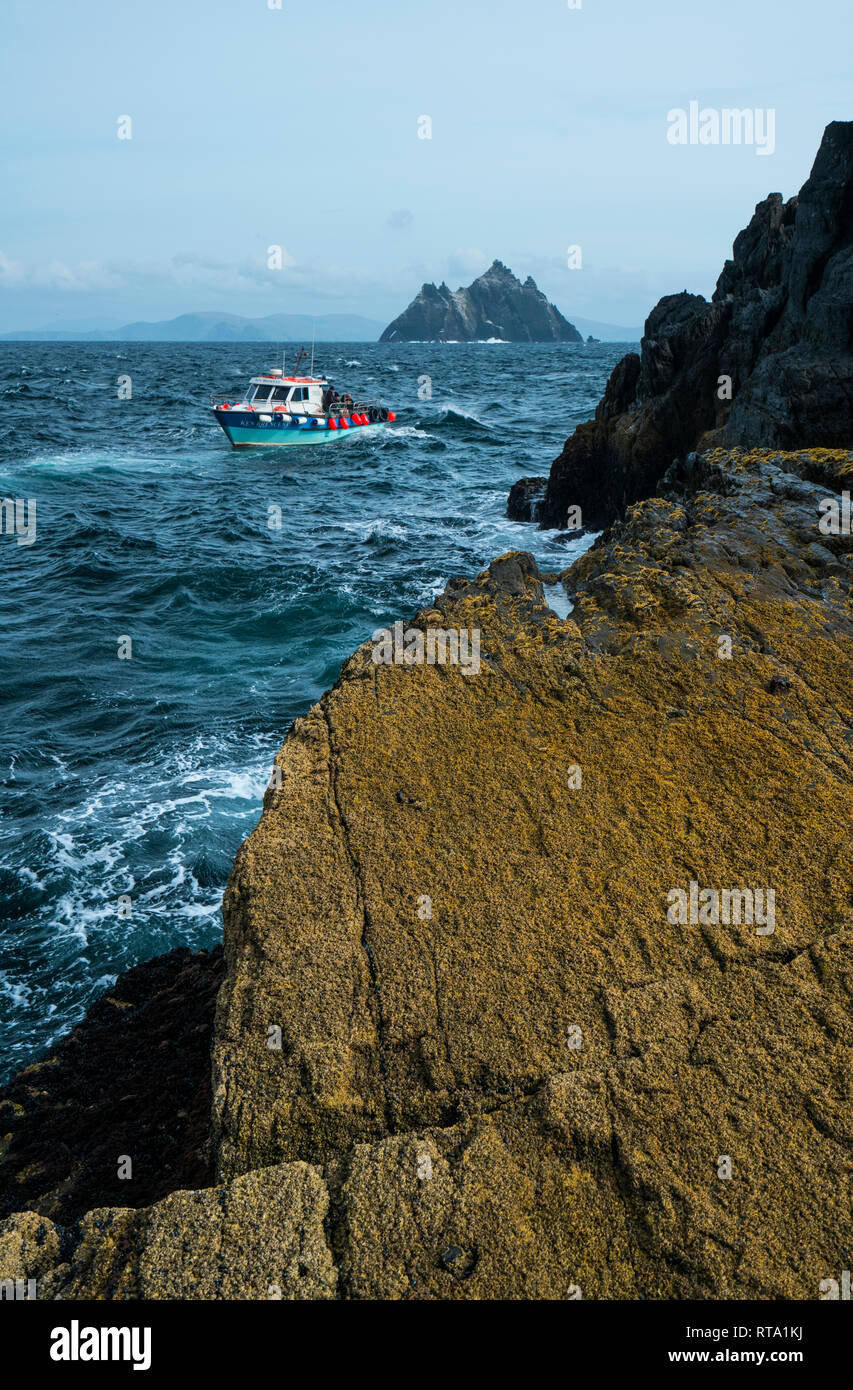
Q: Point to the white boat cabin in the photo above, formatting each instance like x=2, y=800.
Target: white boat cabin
x=296, y=395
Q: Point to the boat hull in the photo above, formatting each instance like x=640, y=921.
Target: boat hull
x=246, y=431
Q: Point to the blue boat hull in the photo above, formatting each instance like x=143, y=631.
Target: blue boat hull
x=245, y=430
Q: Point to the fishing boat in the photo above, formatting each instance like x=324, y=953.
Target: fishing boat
x=280, y=410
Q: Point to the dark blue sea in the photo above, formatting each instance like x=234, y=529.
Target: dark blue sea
x=139, y=778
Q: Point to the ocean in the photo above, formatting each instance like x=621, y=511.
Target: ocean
x=137, y=778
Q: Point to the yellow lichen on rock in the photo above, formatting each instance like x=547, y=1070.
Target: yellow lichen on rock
x=466, y=1047
x=548, y=906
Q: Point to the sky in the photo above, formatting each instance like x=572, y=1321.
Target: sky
x=255, y=126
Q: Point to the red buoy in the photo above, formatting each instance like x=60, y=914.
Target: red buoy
x=344, y=423
x=333, y=424
x=391, y=415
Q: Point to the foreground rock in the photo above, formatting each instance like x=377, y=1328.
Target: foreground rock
x=495, y=305
x=548, y=903
x=769, y=361
x=503, y=1071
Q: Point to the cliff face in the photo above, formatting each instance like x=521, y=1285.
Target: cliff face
x=503, y=1070
x=768, y=362
x=496, y=305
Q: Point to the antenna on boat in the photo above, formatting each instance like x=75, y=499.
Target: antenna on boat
x=312, y=346
x=284, y=361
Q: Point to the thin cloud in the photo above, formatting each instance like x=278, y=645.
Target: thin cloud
x=87, y=276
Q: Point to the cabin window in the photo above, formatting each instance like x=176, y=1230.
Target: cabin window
x=299, y=393
x=279, y=393
x=262, y=393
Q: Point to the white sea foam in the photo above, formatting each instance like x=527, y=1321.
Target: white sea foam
x=557, y=600
x=377, y=526
x=17, y=993
x=454, y=408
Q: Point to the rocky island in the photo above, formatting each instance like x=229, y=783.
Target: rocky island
x=495, y=305
x=465, y=1046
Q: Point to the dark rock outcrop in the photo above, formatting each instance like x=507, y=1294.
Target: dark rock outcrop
x=496, y=305
x=133, y=1078
x=779, y=328
x=525, y=498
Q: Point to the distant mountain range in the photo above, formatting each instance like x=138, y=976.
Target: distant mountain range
x=275, y=328
x=219, y=328
x=609, y=332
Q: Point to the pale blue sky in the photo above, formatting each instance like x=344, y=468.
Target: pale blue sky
x=255, y=126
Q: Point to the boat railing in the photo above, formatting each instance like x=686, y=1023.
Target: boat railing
x=220, y=403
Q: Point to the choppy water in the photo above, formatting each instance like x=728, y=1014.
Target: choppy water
x=140, y=777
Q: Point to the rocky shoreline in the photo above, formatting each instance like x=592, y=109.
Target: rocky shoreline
x=537, y=979
x=531, y=1086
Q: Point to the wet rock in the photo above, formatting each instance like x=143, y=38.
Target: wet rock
x=524, y=499
x=778, y=685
